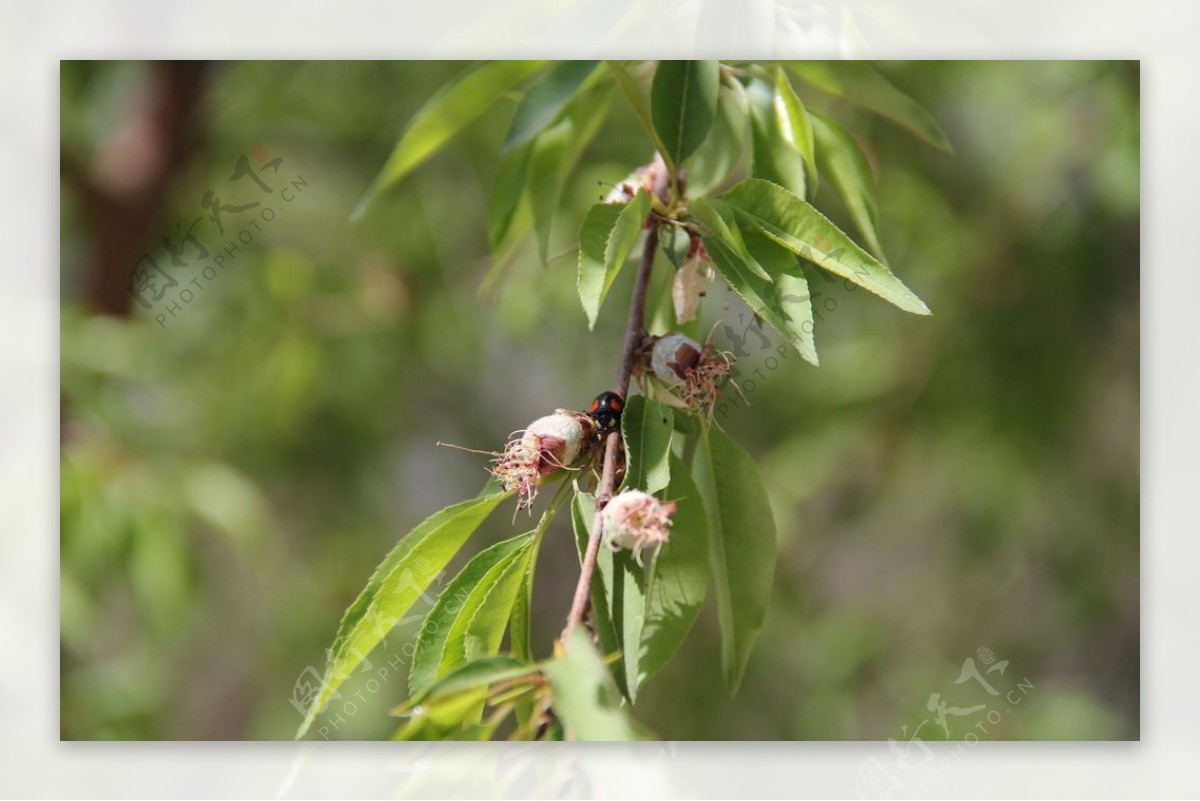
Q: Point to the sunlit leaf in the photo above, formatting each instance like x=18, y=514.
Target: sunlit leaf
x=795, y=127
x=840, y=158
x=545, y=100
x=647, y=426
x=799, y=227
x=683, y=103
x=394, y=587
x=776, y=158
x=585, y=699
x=479, y=626
x=435, y=629
x=444, y=115
x=741, y=545
x=607, y=236
x=862, y=84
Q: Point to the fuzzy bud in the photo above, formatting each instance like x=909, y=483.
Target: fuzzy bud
x=549, y=444
x=672, y=356
x=693, y=372
x=636, y=520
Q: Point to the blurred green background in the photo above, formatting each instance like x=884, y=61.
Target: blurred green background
x=231, y=477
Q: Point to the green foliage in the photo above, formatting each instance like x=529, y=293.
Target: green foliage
x=586, y=701
x=741, y=545
x=753, y=234
x=802, y=229
x=683, y=103
x=646, y=427
x=545, y=100
x=451, y=628
x=862, y=84
x=677, y=580
x=445, y=115
x=228, y=481
x=606, y=238
x=395, y=586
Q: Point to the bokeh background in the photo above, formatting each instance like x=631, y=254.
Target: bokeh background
x=957, y=487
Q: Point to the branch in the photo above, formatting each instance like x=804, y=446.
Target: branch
x=635, y=332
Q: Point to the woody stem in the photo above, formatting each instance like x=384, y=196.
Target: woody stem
x=635, y=332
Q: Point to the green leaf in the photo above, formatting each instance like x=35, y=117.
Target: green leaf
x=479, y=626
x=556, y=151
x=683, y=103
x=520, y=625
x=394, y=587
x=435, y=629
x=445, y=114
x=775, y=157
x=449, y=717
x=741, y=545
x=646, y=426
x=506, y=195
x=583, y=513
x=842, y=160
x=802, y=229
x=678, y=577
x=606, y=237
x=585, y=699
x=637, y=102
x=788, y=295
x=545, y=100
x=476, y=674
x=860, y=83
x=719, y=219
x=725, y=147
x=783, y=302
x=794, y=125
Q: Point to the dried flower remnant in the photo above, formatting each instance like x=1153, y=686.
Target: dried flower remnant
x=549, y=444
x=693, y=372
x=636, y=520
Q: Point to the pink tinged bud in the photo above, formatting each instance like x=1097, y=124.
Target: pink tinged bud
x=557, y=439
x=548, y=445
x=636, y=520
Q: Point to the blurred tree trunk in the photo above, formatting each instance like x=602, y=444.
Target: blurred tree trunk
x=124, y=189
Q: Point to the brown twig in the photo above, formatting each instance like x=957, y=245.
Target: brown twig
x=635, y=332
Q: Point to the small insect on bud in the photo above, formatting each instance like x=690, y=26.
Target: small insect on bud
x=692, y=371
x=551, y=443
x=636, y=520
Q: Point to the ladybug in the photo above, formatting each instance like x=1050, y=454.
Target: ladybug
x=606, y=410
